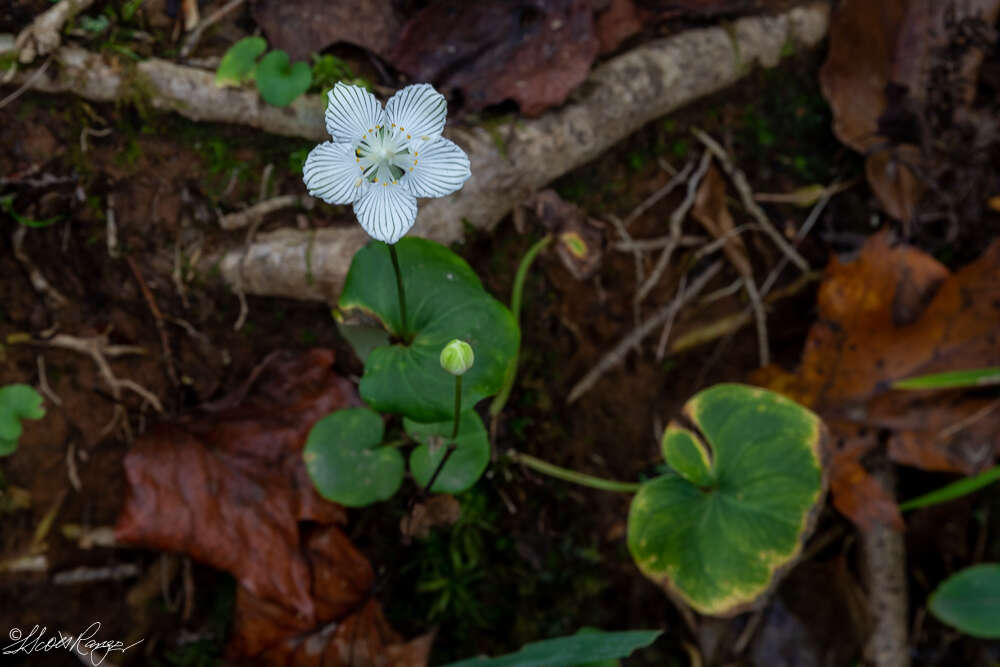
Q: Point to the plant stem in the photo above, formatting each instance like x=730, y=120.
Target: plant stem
x=440, y=466
x=551, y=470
x=399, y=288
x=517, y=293
x=458, y=405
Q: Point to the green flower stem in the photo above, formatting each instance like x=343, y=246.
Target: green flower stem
x=517, y=293
x=551, y=470
x=458, y=405
x=399, y=288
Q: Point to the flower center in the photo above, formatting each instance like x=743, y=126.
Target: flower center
x=383, y=154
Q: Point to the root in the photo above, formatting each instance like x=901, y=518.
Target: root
x=618, y=98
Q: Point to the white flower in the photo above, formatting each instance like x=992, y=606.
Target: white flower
x=381, y=161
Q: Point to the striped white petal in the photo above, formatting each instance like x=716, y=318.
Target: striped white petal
x=331, y=173
x=418, y=111
x=437, y=169
x=386, y=212
x=351, y=112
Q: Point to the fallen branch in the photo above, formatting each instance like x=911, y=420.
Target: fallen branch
x=618, y=98
x=885, y=575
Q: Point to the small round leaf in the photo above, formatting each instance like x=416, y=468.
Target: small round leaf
x=719, y=545
x=466, y=464
x=279, y=82
x=969, y=600
x=445, y=300
x=17, y=402
x=345, y=461
x=237, y=65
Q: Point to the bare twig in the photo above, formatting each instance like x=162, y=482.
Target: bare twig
x=676, y=220
x=43, y=381
x=98, y=349
x=168, y=355
x=801, y=234
x=757, y=305
x=191, y=41
x=71, y=470
x=38, y=280
x=112, y=233
x=89, y=575
x=27, y=83
x=650, y=201
x=655, y=244
x=885, y=575
x=256, y=213
x=615, y=356
x=661, y=347
x=739, y=179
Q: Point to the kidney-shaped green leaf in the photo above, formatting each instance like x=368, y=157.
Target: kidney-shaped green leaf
x=465, y=465
x=970, y=601
x=716, y=532
x=444, y=301
x=238, y=63
x=345, y=461
x=17, y=402
x=279, y=82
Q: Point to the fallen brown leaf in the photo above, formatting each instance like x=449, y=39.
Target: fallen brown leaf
x=711, y=211
x=579, y=242
x=895, y=312
x=230, y=489
x=304, y=27
x=534, y=52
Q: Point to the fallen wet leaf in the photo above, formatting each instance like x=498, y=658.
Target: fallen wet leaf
x=892, y=313
x=304, y=27
x=534, y=52
x=229, y=488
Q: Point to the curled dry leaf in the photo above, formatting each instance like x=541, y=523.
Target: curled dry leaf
x=230, y=489
x=711, y=211
x=892, y=313
x=440, y=510
x=580, y=243
x=534, y=52
x=303, y=27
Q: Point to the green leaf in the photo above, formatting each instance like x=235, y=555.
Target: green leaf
x=569, y=651
x=717, y=541
x=975, y=377
x=238, y=63
x=345, y=461
x=686, y=454
x=466, y=464
x=970, y=601
x=445, y=300
x=954, y=490
x=17, y=402
x=279, y=82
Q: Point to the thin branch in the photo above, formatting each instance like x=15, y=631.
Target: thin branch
x=191, y=42
x=739, y=179
x=651, y=200
x=255, y=214
x=676, y=220
x=615, y=356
